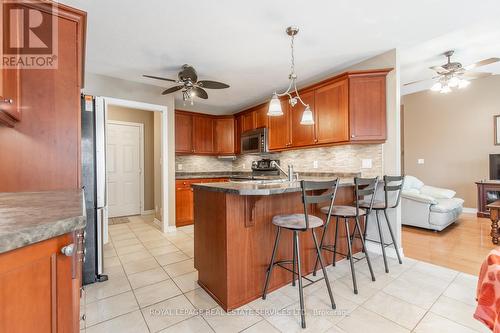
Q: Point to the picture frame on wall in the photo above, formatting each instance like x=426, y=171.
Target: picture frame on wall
x=496, y=124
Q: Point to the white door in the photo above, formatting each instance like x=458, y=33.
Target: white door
x=123, y=169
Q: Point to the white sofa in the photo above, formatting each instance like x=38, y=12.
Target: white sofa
x=428, y=207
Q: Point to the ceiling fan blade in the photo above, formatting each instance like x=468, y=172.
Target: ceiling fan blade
x=439, y=69
x=171, y=90
x=482, y=63
x=159, y=78
x=188, y=72
x=476, y=75
x=413, y=82
x=200, y=92
x=212, y=84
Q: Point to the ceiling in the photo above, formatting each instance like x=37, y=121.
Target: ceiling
x=244, y=43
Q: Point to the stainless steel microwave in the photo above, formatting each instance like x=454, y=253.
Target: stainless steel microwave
x=254, y=141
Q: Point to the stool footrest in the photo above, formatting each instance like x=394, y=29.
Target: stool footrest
x=280, y=264
x=328, y=248
x=379, y=242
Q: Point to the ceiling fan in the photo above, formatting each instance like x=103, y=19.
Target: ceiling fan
x=189, y=84
x=453, y=74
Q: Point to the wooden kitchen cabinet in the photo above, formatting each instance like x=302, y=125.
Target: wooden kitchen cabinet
x=184, y=202
x=224, y=136
x=248, y=121
x=332, y=113
x=237, y=134
x=261, y=118
x=302, y=135
x=279, y=128
x=203, y=134
x=183, y=132
x=40, y=287
x=367, y=107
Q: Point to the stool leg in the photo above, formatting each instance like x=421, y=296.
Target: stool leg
x=301, y=291
x=366, y=228
x=325, y=228
x=293, y=264
x=364, y=247
x=335, y=242
x=393, y=238
x=324, y=270
x=349, y=252
x=382, y=242
x=271, y=264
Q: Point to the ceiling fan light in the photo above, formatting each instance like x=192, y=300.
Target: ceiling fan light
x=275, y=107
x=463, y=83
x=437, y=86
x=446, y=89
x=454, y=81
x=307, y=117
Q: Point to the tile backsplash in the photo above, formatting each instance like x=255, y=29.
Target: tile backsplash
x=345, y=158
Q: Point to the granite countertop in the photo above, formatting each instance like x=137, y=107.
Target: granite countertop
x=31, y=217
x=273, y=188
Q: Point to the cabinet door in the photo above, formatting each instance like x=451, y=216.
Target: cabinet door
x=367, y=108
x=261, y=117
x=183, y=133
x=38, y=279
x=10, y=78
x=279, y=128
x=332, y=113
x=248, y=121
x=224, y=136
x=184, y=210
x=302, y=135
x=203, y=135
x=237, y=134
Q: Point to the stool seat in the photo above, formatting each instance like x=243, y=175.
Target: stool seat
x=296, y=221
x=377, y=204
x=344, y=211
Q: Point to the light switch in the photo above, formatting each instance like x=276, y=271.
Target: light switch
x=179, y=166
x=315, y=164
x=366, y=163
x=420, y=161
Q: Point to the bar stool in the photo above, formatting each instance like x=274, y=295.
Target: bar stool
x=362, y=187
x=391, y=184
x=302, y=223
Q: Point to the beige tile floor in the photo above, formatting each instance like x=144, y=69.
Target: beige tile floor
x=152, y=288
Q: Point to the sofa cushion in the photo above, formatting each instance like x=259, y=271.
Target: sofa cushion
x=419, y=197
x=437, y=192
x=447, y=205
x=412, y=182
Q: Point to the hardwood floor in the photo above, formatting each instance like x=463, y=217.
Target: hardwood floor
x=463, y=246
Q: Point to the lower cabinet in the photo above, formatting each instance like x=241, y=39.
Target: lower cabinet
x=184, y=204
x=40, y=287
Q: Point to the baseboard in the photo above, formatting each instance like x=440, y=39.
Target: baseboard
x=148, y=212
x=469, y=210
x=170, y=229
x=374, y=247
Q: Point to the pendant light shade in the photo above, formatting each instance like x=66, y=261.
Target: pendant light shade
x=275, y=107
x=463, y=83
x=307, y=117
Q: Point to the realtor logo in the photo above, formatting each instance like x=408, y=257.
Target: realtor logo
x=29, y=34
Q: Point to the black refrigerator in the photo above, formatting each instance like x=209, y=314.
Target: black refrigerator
x=93, y=175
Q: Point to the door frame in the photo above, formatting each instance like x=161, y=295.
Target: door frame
x=102, y=103
x=141, y=155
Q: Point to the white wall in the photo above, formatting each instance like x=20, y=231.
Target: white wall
x=100, y=85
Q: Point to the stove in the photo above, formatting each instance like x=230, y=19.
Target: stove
x=261, y=170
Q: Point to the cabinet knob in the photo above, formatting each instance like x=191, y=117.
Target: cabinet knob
x=6, y=100
x=353, y=136
x=68, y=250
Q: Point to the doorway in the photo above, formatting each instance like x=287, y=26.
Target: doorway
x=125, y=165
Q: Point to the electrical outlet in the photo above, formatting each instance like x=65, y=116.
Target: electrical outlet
x=366, y=163
x=179, y=166
x=315, y=164
x=420, y=161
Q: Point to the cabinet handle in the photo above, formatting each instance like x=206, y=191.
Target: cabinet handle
x=7, y=100
x=68, y=250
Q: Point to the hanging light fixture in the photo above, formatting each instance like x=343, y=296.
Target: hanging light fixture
x=275, y=104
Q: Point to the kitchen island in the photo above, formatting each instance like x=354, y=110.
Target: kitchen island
x=234, y=236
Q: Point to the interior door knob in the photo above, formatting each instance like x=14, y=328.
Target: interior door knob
x=68, y=250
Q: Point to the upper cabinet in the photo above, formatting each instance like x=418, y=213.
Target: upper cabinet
x=279, y=129
x=248, y=121
x=331, y=112
x=202, y=134
x=302, y=135
x=367, y=107
x=261, y=118
x=183, y=133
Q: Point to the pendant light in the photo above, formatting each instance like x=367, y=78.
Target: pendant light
x=275, y=104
